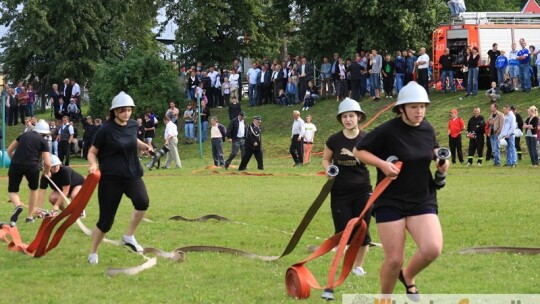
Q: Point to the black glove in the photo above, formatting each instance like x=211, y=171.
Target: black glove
x=440, y=179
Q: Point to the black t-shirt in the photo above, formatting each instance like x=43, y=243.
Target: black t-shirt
x=149, y=124
x=117, y=147
x=493, y=57
x=473, y=61
x=28, y=152
x=141, y=132
x=414, y=187
x=446, y=62
x=352, y=173
x=64, y=177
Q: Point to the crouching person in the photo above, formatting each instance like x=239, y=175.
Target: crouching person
x=66, y=179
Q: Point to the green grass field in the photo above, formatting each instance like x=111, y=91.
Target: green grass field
x=480, y=206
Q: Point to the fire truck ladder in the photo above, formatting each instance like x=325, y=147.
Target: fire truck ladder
x=496, y=18
x=435, y=37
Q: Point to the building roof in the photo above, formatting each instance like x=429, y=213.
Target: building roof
x=531, y=7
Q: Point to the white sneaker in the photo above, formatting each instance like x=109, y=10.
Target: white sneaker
x=359, y=271
x=131, y=242
x=83, y=214
x=93, y=258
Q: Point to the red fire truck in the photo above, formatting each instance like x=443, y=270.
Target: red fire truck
x=482, y=30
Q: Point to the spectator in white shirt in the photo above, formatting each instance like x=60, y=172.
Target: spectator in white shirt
x=76, y=93
x=171, y=141
x=308, y=139
x=235, y=87
x=297, y=147
x=422, y=65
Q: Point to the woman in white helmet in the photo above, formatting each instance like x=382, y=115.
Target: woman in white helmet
x=352, y=186
x=65, y=178
x=116, y=148
x=26, y=152
x=410, y=201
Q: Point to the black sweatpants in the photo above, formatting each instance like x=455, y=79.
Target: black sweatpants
x=455, y=147
x=476, y=145
x=64, y=151
x=110, y=191
x=423, y=78
x=388, y=85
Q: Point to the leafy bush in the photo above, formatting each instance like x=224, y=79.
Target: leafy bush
x=149, y=80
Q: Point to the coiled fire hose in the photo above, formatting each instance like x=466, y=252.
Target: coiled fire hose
x=299, y=280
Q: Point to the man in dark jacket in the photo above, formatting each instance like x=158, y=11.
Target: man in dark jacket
x=236, y=133
x=89, y=130
x=264, y=85
x=355, y=71
x=277, y=80
x=253, y=145
x=67, y=90
x=447, y=61
x=207, y=84
x=475, y=133
x=305, y=74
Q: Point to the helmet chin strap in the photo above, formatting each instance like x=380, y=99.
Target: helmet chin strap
x=406, y=116
x=404, y=113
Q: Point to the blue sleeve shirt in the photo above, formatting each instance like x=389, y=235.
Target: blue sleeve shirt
x=524, y=52
x=501, y=62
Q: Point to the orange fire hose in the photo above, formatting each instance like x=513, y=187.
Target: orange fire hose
x=41, y=245
x=299, y=280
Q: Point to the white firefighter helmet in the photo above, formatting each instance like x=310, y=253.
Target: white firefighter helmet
x=350, y=105
x=55, y=161
x=122, y=100
x=42, y=127
x=411, y=93
x=503, y=142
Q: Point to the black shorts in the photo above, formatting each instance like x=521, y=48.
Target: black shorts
x=16, y=173
x=71, y=189
x=390, y=214
x=347, y=204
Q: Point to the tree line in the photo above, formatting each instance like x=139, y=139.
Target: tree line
x=49, y=40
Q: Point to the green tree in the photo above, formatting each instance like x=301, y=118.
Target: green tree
x=50, y=40
x=149, y=80
x=217, y=31
x=495, y=5
x=350, y=25
x=347, y=26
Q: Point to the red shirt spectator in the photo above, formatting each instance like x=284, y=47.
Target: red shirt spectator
x=455, y=124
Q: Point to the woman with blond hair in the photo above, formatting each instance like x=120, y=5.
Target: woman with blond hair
x=309, y=136
x=530, y=126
